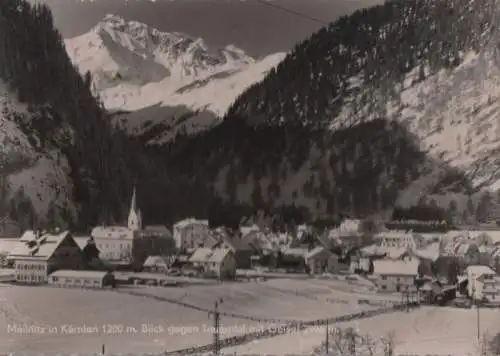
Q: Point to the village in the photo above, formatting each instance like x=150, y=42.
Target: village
x=457, y=267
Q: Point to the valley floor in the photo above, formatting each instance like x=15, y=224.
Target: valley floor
x=252, y=305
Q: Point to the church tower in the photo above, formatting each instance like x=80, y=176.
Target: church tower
x=134, y=216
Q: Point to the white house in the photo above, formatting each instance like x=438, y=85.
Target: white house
x=219, y=262
x=396, y=275
x=191, y=233
x=482, y=283
x=115, y=243
x=35, y=259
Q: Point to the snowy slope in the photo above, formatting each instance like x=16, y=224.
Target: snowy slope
x=43, y=175
x=136, y=67
x=454, y=114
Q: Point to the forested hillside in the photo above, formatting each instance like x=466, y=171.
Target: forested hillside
x=61, y=115
x=303, y=144
x=425, y=67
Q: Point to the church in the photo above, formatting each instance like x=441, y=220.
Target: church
x=127, y=244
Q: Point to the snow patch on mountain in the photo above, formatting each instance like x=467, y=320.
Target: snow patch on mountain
x=134, y=67
x=43, y=176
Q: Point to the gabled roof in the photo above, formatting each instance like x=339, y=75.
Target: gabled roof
x=8, y=245
x=81, y=241
x=189, y=221
x=430, y=252
x=112, y=232
x=157, y=261
x=156, y=229
x=207, y=255
x=396, y=268
x=479, y=270
x=245, y=230
x=41, y=248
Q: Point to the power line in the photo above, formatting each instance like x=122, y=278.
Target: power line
x=293, y=12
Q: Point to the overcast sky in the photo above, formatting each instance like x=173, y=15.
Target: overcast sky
x=250, y=25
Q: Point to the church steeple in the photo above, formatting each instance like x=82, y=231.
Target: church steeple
x=134, y=216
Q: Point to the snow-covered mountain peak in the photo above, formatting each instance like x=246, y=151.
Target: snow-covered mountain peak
x=135, y=66
x=167, y=48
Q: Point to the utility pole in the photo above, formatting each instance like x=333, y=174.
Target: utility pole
x=216, y=337
x=326, y=339
x=477, y=311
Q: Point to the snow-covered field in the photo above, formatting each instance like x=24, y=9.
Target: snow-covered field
x=47, y=307
x=429, y=330
x=426, y=331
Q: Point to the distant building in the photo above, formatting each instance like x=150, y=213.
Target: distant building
x=134, y=242
x=483, y=283
x=226, y=240
x=190, y=234
x=115, y=242
x=398, y=239
x=320, y=260
x=34, y=259
x=81, y=279
x=395, y=276
x=157, y=264
x=218, y=262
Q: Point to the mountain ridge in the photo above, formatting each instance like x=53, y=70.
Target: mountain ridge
x=135, y=67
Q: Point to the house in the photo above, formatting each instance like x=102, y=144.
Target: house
x=226, y=240
x=115, y=243
x=320, y=260
x=483, y=283
x=157, y=264
x=395, y=276
x=217, y=262
x=81, y=279
x=190, y=234
x=35, y=259
x=398, y=239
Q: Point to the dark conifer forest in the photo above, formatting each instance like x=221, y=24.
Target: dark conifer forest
x=275, y=138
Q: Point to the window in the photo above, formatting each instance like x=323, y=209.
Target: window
x=384, y=278
x=384, y=287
